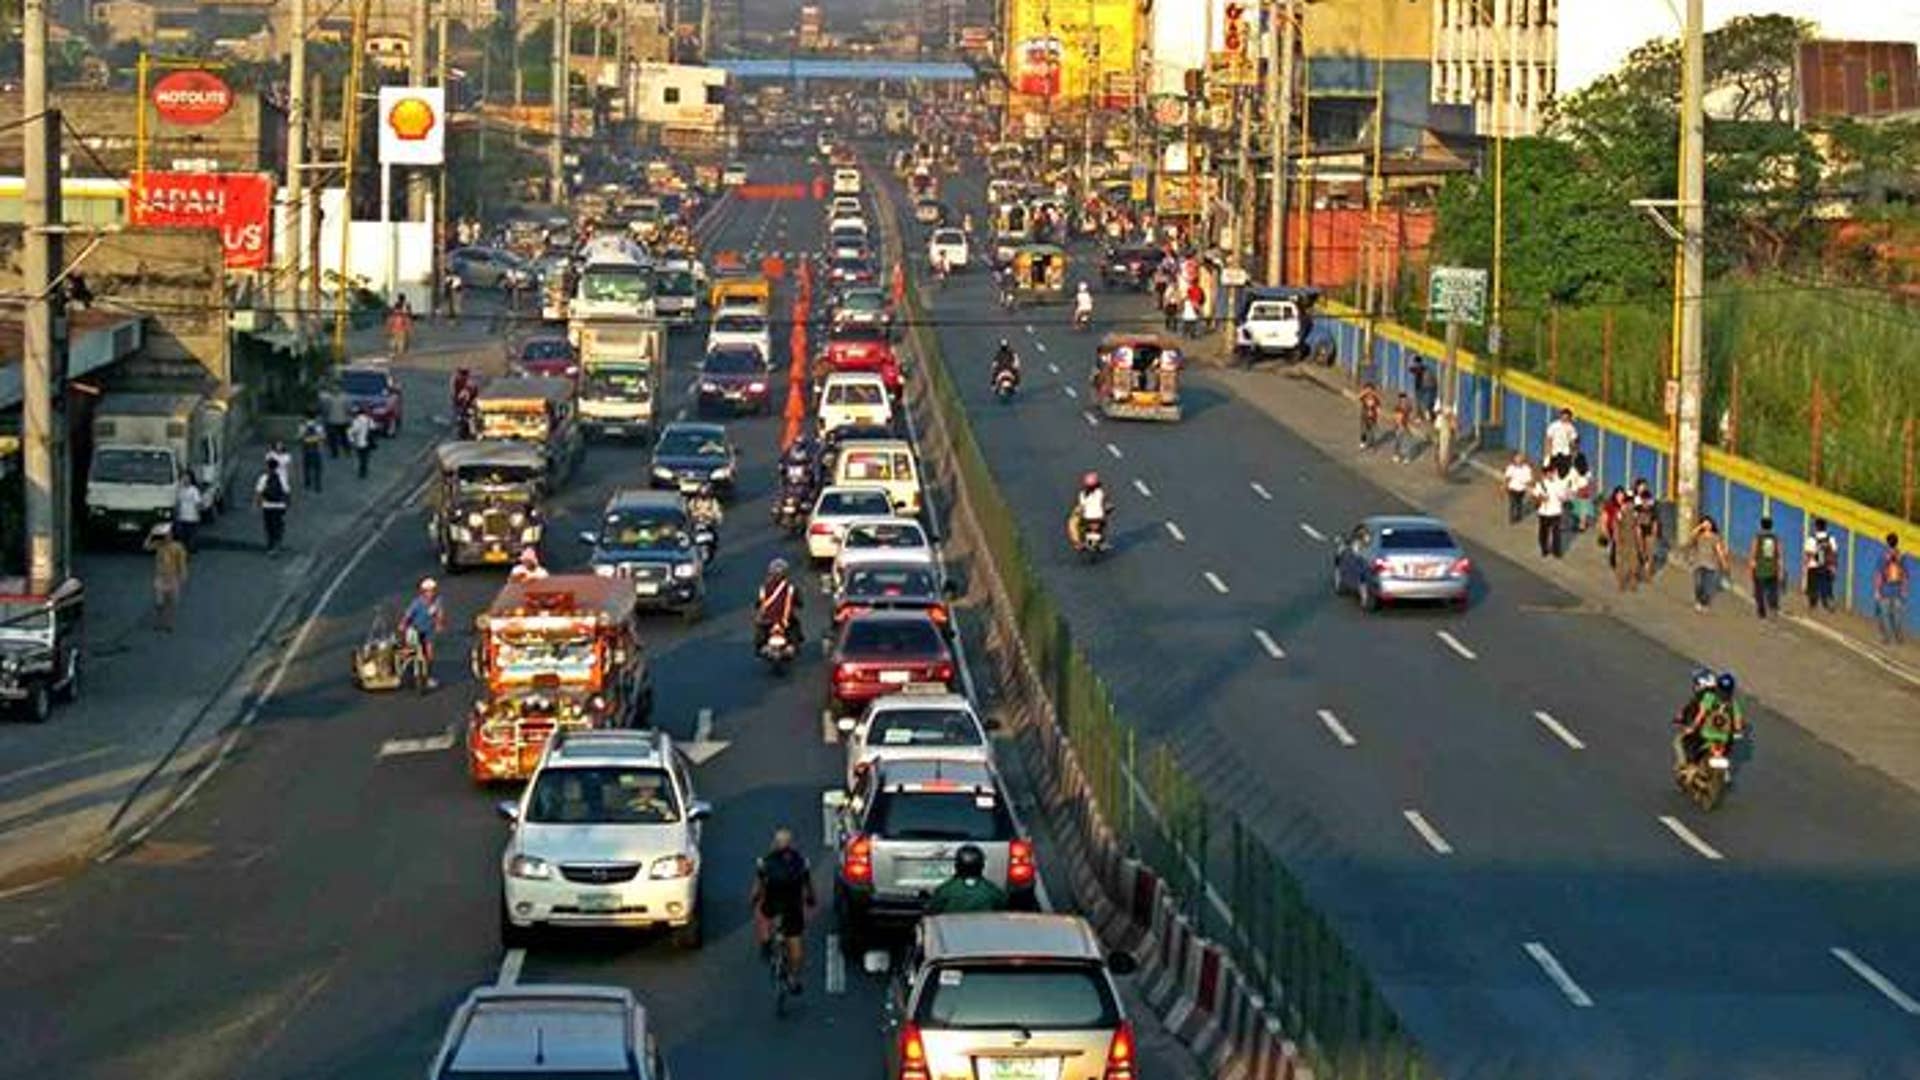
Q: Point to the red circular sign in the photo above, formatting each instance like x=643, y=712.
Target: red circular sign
x=192, y=97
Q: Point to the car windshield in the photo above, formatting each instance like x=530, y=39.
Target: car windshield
x=523, y=655
x=25, y=616
x=850, y=265
x=1034, y=997
x=949, y=236
x=546, y=349
x=616, y=284
x=116, y=465
x=939, y=815
x=602, y=795
x=903, y=534
x=1415, y=538
x=497, y=480
x=905, y=637
x=943, y=726
x=733, y=362
x=364, y=383
x=1269, y=310
x=660, y=530
x=675, y=283
x=685, y=443
x=617, y=385
x=883, y=581
x=852, y=503
x=849, y=331
x=863, y=300
x=739, y=324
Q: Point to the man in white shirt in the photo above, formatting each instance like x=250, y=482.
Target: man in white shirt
x=1550, y=495
x=1518, y=482
x=1562, y=438
x=186, y=511
x=360, y=437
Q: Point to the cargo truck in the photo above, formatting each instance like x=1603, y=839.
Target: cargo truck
x=143, y=442
x=621, y=371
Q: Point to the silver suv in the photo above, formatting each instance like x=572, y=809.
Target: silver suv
x=900, y=828
x=558, y=1030
x=1009, y=997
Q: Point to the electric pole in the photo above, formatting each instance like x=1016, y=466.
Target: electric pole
x=1693, y=215
x=562, y=119
x=1280, y=114
x=40, y=378
x=417, y=186
x=295, y=262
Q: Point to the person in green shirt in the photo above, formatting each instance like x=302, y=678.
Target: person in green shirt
x=1714, y=722
x=967, y=891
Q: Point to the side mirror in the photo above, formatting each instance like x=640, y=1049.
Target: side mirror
x=590, y=538
x=1122, y=963
x=699, y=810
x=846, y=724
x=508, y=809
x=875, y=961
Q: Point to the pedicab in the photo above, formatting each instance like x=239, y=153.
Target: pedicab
x=1136, y=376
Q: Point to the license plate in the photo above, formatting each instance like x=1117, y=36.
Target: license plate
x=917, y=872
x=1019, y=1068
x=646, y=588
x=494, y=556
x=1426, y=570
x=599, y=902
x=896, y=678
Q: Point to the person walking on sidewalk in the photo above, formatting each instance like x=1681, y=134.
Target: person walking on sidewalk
x=335, y=414
x=313, y=437
x=1517, y=482
x=1580, y=504
x=1629, y=544
x=1820, y=562
x=1550, y=505
x=1426, y=392
x=1646, y=522
x=1369, y=414
x=1707, y=549
x=1562, y=438
x=271, y=495
x=1890, y=593
x=277, y=453
x=187, y=502
x=360, y=437
x=1402, y=429
x=1764, y=559
x=399, y=327
x=169, y=575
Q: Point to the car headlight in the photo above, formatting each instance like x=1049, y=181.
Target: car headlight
x=724, y=472
x=683, y=571
x=475, y=519
x=662, y=472
x=10, y=665
x=530, y=534
x=604, y=569
x=529, y=868
x=710, y=387
x=518, y=519
x=461, y=533
x=668, y=867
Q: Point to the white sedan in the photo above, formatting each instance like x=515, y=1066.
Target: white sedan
x=948, y=244
x=834, y=508
x=887, y=539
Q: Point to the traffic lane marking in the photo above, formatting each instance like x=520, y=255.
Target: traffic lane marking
x=1339, y=730
x=836, y=965
x=1141, y=487
x=1427, y=832
x=1114, y=451
x=1092, y=420
x=1558, y=974
x=510, y=966
x=1260, y=490
x=1313, y=532
x=1213, y=579
x=431, y=744
x=1174, y=531
x=1071, y=392
x=1900, y=998
x=1053, y=368
x=1690, y=838
x=1271, y=646
x=1041, y=346
x=1455, y=644
x=1559, y=730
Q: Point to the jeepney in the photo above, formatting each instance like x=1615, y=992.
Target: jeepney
x=1137, y=377
x=40, y=639
x=553, y=652
x=740, y=287
x=541, y=412
x=486, y=502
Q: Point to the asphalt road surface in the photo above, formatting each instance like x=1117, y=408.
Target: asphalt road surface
x=1480, y=801
x=320, y=907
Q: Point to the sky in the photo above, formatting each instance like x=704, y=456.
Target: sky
x=1595, y=35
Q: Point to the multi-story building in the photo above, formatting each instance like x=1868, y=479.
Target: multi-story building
x=811, y=33
x=1498, y=57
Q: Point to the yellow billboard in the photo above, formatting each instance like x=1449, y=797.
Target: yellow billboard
x=1060, y=52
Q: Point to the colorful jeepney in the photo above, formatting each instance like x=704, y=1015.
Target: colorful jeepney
x=553, y=652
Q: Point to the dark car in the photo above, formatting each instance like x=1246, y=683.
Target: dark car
x=647, y=537
x=884, y=586
x=735, y=377
x=882, y=651
x=1129, y=267
x=688, y=455
x=373, y=389
x=546, y=356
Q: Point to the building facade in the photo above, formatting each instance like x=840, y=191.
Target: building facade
x=1500, y=58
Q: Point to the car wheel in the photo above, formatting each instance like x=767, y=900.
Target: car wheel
x=512, y=936
x=1339, y=582
x=39, y=704
x=1369, y=600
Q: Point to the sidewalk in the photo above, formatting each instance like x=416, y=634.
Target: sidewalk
x=1828, y=673
x=153, y=706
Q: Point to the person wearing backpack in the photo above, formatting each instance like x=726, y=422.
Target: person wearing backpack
x=271, y=495
x=1820, y=559
x=1764, y=558
x=1890, y=593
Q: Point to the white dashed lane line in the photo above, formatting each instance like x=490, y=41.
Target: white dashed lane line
x=1271, y=646
x=1338, y=729
x=1028, y=328
x=1141, y=487
x=1213, y=579
x=1260, y=490
x=1551, y=965
x=1114, y=452
x=1174, y=531
x=1092, y=420
x=510, y=966
x=1559, y=730
x=1040, y=345
x=1900, y=998
x=1690, y=838
x=1313, y=532
x=1071, y=392
x=1427, y=832
x=1454, y=644
x=1053, y=368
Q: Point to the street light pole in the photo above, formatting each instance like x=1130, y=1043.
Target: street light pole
x=562, y=120
x=295, y=264
x=1693, y=212
x=39, y=252
x=1280, y=31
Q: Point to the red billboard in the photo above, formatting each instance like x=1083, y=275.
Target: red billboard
x=192, y=97
x=240, y=205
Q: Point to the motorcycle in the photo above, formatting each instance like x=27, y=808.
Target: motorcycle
x=1707, y=774
x=1082, y=318
x=1093, y=539
x=704, y=511
x=790, y=510
x=1004, y=384
x=778, y=650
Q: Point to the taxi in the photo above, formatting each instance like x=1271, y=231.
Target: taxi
x=871, y=355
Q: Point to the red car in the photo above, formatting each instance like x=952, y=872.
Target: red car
x=862, y=355
x=544, y=357
x=879, y=652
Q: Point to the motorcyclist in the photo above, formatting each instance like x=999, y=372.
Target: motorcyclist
x=703, y=506
x=1083, y=304
x=528, y=567
x=1090, y=505
x=465, y=391
x=777, y=605
x=968, y=890
x=1702, y=682
x=422, y=619
x=1717, y=719
x=1004, y=359
x=799, y=464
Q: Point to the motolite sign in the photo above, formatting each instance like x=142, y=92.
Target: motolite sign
x=240, y=205
x=191, y=98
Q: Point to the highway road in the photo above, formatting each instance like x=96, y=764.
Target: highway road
x=320, y=907
x=1480, y=801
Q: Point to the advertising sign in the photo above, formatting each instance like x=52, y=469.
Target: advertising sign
x=1457, y=294
x=413, y=125
x=1036, y=67
x=1080, y=43
x=191, y=98
x=240, y=205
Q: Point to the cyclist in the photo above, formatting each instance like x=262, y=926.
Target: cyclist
x=424, y=618
x=783, y=890
x=967, y=890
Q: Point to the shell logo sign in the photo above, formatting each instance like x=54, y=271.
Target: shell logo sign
x=413, y=128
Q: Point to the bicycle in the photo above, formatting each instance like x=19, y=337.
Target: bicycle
x=777, y=961
x=410, y=659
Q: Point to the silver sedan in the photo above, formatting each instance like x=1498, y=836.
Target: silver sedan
x=1393, y=559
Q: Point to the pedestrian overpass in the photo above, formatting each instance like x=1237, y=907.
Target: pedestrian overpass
x=824, y=69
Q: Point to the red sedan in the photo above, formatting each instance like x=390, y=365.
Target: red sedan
x=879, y=652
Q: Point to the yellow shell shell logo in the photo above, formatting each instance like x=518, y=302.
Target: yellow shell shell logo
x=411, y=119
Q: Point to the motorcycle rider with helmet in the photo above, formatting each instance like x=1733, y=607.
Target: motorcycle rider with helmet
x=1090, y=505
x=967, y=891
x=1716, y=719
x=778, y=604
x=1083, y=306
x=1004, y=360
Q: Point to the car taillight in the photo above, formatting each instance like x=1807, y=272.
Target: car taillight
x=846, y=673
x=1382, y=566
x=1120, y=1053
x=938, y=613
x=943, y=672
x=1462, y=566
x=913, y=1054
x=857, y=864
x=1020, y=862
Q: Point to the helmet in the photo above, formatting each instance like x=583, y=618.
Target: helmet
x=969, y=861
x=777, y=568
x=1083, y=286
x=529, y=558
x=1003, y=344
x=1703, y=679
x=1726, y=683
x=1090, y=481
x=427, y=584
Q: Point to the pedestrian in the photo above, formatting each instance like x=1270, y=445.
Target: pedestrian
x=169, y=574
x=1646, y=522
x=1629, y=545
x=1517, y=482
x=1707, y=549
x=1425, y=390
x=1580, y=508
x=1190, y=315
x=313, y=437
x=360, y=438
x=270, y=494
x=1402, y=429
x=335, y=412
x=1550, y=506
x=1820, y=562
x=1369, y=414
x=187, y=506
x=1610, y=513
x=1763, y=558
x=1170, y=304
x=454, y=285
x=1562, y=438
x=1890, y=593
x=399, y=327
x=277, y=453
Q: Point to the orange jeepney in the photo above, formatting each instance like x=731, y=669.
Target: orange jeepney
x=551, y=652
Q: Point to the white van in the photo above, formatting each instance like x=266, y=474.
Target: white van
x=886, y=463
x=854, y=397
x=846, y=181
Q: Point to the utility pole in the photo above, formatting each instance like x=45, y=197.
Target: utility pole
x=417, y=180
x=438, y=268
x=1280, y=115
x=1693, y=214
x=562, y=117
x=40, y=376
x=296, y=261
